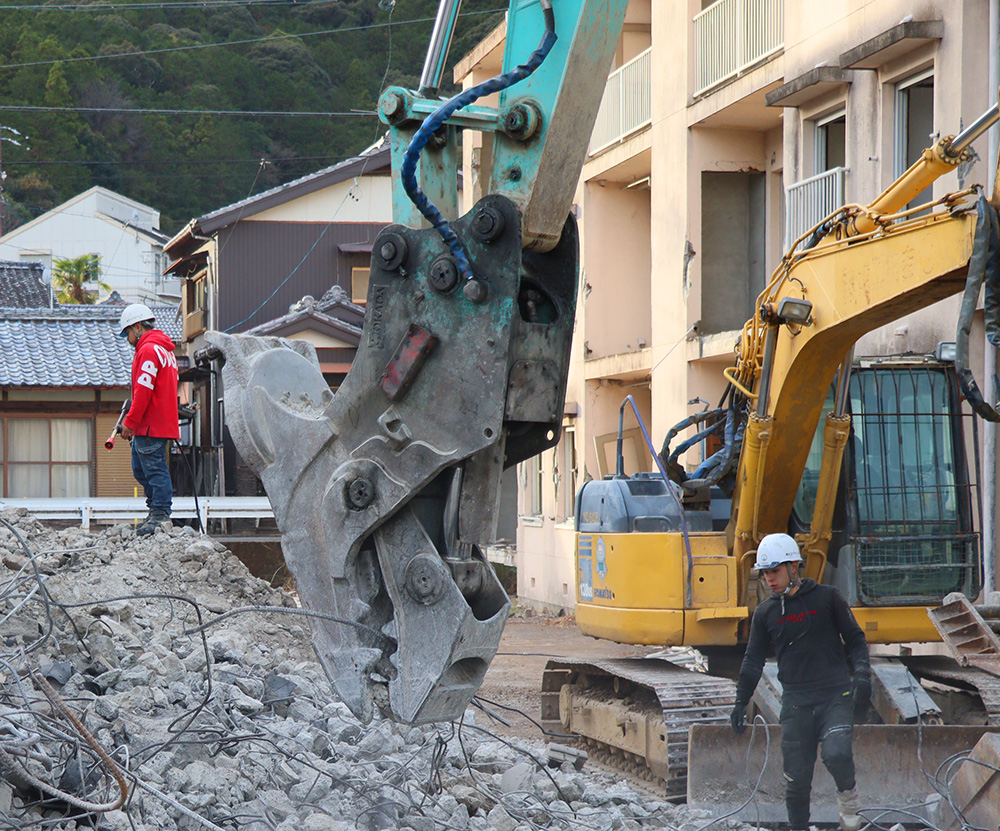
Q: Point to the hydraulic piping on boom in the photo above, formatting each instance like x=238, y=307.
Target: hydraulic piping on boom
x=387, y=492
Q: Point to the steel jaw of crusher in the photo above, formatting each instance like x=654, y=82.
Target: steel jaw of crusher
x=387, y=492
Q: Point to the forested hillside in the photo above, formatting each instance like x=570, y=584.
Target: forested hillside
x=85, y=65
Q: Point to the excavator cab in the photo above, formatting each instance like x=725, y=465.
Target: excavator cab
x=904, y=529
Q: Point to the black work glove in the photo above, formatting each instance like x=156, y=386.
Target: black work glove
x=738, y=718
x=862, y=691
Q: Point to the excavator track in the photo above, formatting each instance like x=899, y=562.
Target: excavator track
x=944, y=669
x=639, y=709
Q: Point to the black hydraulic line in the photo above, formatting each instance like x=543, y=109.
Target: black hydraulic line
x=983, y=268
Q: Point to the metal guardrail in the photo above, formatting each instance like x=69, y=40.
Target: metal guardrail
x=808, y=201
x=126, y=509
x=627, y=103
x=730, y=36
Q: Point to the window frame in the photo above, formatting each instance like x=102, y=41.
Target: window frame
x=566, y=474
x=5, y=460
x=362, y=298
x=533, y=472
x=901, y=101
x=820, y=139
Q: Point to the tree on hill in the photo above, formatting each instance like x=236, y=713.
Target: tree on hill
x=70, y=274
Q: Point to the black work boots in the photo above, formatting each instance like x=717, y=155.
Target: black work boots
x=152, y=522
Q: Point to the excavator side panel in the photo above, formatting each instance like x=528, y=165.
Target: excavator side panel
x=631, y=589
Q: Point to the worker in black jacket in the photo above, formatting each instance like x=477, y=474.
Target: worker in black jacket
x=810, y=627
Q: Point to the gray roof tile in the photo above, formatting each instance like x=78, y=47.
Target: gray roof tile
x=21, y=284
x=69, y=346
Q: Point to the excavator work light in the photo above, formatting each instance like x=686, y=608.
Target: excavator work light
x=945, y=351
x=794, y=310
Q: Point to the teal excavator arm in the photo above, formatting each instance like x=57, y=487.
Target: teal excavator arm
x=386, y=493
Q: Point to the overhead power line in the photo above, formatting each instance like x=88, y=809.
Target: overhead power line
x=148, y=111
x=145, y=52
x=174, y=161
x=165, y=6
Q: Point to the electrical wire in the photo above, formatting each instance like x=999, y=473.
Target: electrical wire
x=329, y=224
x=164, y=6
x=151, y=111
x=245, y=42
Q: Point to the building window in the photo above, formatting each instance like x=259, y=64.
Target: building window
x=47, y=457
x=195, y=304
x=566, y=474
x=733, y=210
x=534, y=485
x=831, y=142
x=359, y=285
x=914, y=123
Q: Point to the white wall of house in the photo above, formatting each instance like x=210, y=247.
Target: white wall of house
x=364, y=199
x=101, y=222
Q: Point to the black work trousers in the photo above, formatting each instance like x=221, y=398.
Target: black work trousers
x=803, y=729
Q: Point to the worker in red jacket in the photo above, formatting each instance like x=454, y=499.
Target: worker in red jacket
x=152, y=419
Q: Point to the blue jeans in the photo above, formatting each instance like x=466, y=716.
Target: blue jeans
x=149, y=467
x=804, y=729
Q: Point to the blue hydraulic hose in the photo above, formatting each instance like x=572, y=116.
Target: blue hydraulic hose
x=435, y=120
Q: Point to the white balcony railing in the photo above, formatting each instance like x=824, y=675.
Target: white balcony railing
x=808, y=201
x=730, y=36
x=627, y=103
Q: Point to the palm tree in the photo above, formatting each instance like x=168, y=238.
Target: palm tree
x=70, y=274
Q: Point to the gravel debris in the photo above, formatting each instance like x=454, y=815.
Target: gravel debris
x=236, y=727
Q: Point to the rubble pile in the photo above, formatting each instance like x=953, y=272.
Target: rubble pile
x=105, y=678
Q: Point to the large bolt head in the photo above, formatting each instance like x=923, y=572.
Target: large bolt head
x=390, y=251
x=521, y=121
x=475, y=291
x=443, y=274
x=392, y=106
x=360, y=493
x=487, y=224
x=426, y=579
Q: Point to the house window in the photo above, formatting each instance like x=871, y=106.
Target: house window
x=566, y=474
x=359, y=285
x=534, y=485
x=914, y=123
x=831, y=142
x=47, y=457
x=195, y=304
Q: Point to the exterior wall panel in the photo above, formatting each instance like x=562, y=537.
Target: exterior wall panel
x=256, y=259
x=113, y=467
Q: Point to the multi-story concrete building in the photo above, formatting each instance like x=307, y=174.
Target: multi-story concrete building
x=728, y=128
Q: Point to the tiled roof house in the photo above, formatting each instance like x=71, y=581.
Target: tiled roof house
x=64, y=374
x=125, y=234
x=255, y=267
x=22, y=285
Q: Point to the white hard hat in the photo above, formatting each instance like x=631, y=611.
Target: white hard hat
x=776, y=549
x=136, y=313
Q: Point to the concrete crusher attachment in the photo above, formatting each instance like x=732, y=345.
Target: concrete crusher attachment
x=386, y=492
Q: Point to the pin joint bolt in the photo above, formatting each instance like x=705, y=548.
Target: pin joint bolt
x=488, y=224
x=443, y=274
x=360, y=493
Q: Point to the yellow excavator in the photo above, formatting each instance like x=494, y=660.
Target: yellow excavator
x=665, y=558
